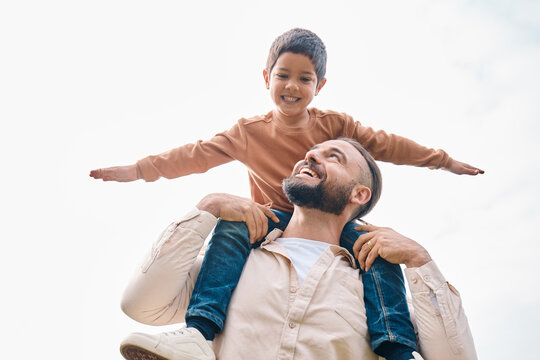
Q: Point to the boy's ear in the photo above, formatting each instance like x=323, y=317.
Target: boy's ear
x=266, y=78
x=360, y=195
x=320, y=86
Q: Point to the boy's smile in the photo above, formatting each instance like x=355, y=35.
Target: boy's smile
x=293, y=84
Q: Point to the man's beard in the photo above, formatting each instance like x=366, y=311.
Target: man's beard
x=328, y=197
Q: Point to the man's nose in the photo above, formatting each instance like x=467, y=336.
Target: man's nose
x=313, y=156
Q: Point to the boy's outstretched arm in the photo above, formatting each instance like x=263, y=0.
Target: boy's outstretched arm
x=460, y=168
x=116, y=173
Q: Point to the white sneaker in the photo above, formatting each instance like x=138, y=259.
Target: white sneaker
x=182, y=344
x=417, y=356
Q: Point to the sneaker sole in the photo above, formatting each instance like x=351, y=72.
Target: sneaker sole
x=133, y=352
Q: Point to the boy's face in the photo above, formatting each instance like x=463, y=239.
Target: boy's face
x=292, y=84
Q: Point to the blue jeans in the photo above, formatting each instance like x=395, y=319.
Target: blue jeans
x=387, y=312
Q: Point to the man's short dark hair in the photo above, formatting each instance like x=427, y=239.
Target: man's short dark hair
x=373, y=179
x=299, y=41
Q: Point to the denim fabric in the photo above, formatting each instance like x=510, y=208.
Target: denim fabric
x=224, y=259
x=387, y=310
x=384, y=288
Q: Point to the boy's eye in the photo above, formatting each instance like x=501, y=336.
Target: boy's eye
x=305, y=79
x=282, y=76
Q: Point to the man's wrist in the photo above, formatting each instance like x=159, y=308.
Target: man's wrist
x=419, y=259
x=206, y=204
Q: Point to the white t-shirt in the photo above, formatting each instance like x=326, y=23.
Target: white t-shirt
x=303, y=253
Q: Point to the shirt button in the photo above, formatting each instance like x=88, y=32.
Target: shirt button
x=293, y=289
x=414, y=280
x=292, y=325
x=427, y=278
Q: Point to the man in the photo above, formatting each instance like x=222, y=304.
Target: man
x=300, y=296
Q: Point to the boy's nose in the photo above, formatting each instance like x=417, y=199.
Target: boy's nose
x=292, y=85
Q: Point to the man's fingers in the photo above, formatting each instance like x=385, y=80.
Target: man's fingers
x=366, y=227
x=363, y=252
x=251, y=225
x=262, y=226
x=371, y=256
x=269, y=213
x=362, y=239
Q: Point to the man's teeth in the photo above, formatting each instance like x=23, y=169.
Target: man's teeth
x=309, y=172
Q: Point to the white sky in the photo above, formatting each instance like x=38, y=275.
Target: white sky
x=87, y=84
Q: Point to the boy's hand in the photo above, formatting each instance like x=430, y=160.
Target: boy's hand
x=390, y=245
x=116, y=173
x=460, y=168
x=234, y=208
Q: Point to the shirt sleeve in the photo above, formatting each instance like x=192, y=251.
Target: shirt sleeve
x=397, y=149
x=196, y=157
x=443, y=329
x=159, y=291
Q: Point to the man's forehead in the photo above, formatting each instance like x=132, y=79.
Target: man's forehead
x=339, y=145
x=353, y=155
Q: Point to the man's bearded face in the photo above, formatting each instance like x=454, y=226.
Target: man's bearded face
x=326, y=195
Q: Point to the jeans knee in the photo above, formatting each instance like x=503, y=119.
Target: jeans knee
x=233, y=232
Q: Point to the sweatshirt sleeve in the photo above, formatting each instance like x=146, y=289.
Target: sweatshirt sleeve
x=196, y=157
x=443, y=329
x=159, y=291
x=396, y=149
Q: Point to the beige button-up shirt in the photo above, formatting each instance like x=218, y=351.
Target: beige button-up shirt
x=271, y=316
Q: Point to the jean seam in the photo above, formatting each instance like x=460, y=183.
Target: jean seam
x=381, y=300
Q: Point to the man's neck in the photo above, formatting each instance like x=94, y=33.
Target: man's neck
x=315, y=225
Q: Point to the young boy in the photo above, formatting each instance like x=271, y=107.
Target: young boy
x=270, y=145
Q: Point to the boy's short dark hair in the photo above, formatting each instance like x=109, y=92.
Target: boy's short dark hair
x=299, y=41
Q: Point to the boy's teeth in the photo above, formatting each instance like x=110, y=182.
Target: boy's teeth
x=288, y=98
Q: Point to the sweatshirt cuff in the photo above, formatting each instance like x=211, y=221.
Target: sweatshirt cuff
x=424, y=278
x=146, y=170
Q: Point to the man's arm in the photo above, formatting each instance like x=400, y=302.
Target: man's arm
x=443, y=329
x=159, y=292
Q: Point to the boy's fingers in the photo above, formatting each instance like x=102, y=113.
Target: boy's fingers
x=96, y=174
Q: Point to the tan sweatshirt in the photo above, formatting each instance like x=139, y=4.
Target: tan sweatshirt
x=270, y=150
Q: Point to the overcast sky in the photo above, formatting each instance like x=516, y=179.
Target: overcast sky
x=88, y=84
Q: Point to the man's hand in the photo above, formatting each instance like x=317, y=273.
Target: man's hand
x=235, y=208
x=460, y=168
x=390, y=245
x=116, y=173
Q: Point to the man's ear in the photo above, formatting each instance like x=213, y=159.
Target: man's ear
x=360, y=195
x=320, y=86
x=266, y=78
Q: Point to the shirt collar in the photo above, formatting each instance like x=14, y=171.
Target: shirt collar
x=336, y=250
